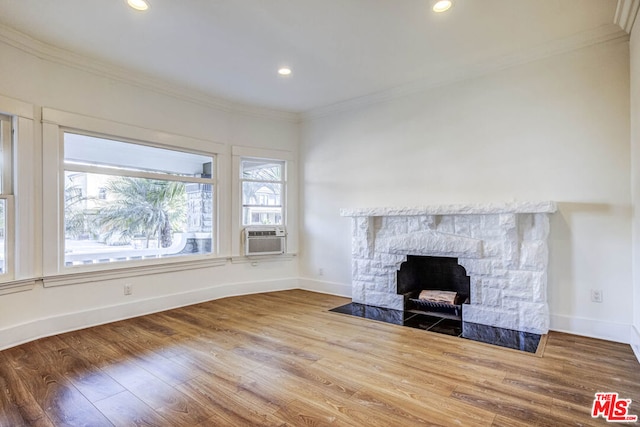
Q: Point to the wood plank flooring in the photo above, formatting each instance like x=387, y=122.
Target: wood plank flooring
x=281, y=359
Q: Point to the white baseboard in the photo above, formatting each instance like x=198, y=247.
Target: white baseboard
x=332, y=288
x=44, y=327
x=635, y=341
x=39, y=328
x=610, y=331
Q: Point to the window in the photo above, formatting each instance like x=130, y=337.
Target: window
x=263, y=191
x=264, y=183
x=130, y=201
x=6, y=193
x=19, y=175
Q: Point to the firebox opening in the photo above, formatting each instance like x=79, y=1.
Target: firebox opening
x=434, y=285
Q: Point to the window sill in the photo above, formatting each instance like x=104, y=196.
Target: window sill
x=17, y=286
x=87, y=276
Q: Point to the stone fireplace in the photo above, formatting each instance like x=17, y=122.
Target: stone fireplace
x=502, y=247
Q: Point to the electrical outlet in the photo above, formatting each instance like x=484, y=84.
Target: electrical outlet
x=321, y=272
x=128, y=289
x=596, y=295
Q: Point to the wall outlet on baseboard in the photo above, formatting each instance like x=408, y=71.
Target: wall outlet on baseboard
x=596, y=295
x=128, y=289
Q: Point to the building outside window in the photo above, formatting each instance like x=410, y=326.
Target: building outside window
x=129, y=201
x=263, y=189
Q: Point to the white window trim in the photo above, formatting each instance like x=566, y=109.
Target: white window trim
x=290, y=197
x=55, y=122
x=22, y=211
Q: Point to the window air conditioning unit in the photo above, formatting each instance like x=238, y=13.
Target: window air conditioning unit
x=264, y=240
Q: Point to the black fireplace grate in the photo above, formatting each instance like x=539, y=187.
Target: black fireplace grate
x=412, y=303
x=432, y=306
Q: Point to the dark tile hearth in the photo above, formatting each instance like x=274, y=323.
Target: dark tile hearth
x=508, y=338
x=524, y=341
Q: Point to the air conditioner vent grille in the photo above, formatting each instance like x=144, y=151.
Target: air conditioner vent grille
x=262, y=233
x=265, y=240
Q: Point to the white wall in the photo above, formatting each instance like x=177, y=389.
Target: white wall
x=28, y=315
x=555, y=129
x=635, y=177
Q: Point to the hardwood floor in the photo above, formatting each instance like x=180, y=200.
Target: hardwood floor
x=282, y=359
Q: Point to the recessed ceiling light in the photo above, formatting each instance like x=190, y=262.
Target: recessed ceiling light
x=442, y=6
x=284, y=71
x=141, y=5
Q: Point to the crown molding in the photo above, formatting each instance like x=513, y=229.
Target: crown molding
x=626, y=14
x=100, y=68
x=606, y=34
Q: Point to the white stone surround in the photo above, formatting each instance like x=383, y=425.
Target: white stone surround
x=502, y=246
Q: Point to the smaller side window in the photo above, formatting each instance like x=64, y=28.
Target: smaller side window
x=263, y=186
x=6, y=193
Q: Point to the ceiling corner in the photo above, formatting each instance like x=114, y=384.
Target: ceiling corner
x=626, y=14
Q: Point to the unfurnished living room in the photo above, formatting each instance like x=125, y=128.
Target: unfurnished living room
x=310, y=213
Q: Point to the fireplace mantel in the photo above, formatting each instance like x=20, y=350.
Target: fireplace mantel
x=502, y=246
x=458, y=209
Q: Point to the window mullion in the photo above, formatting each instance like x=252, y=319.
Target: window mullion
x=262, y=181
x=72, y=167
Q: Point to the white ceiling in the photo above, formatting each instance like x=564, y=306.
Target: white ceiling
x=338, y=49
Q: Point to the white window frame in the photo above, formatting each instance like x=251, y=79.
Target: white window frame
x=55, y=124
x=21, y=195
x=289, y=196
